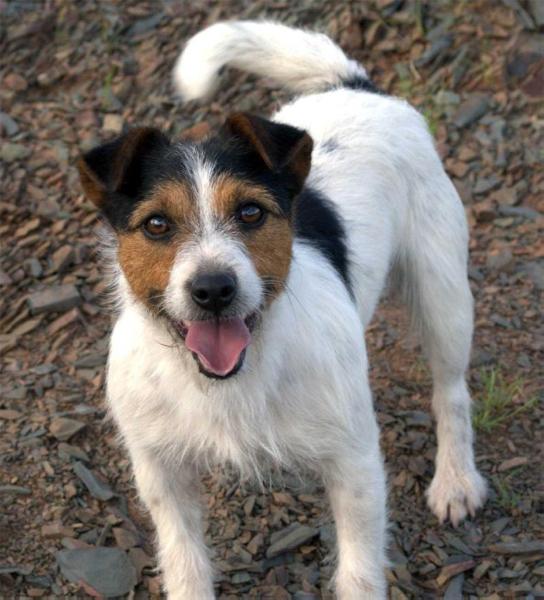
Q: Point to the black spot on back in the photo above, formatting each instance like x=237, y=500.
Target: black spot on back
x=358, y=82
x=318, y=223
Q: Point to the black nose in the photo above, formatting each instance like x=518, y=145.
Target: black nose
x=213, y=291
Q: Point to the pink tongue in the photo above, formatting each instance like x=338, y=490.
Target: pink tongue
x=218, y=343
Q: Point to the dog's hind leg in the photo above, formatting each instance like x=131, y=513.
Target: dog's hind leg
x=433, y=270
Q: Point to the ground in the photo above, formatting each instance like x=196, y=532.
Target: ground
x=73, y=74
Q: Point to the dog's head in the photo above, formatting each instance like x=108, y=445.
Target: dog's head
x=204, y=228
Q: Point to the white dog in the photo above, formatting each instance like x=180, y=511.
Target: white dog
x=248, y=265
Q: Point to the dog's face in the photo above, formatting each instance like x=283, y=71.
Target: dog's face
x=204, y=228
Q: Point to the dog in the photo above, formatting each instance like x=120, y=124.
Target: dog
x=247, y=265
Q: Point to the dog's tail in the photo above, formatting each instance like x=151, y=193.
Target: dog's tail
x=299, y=60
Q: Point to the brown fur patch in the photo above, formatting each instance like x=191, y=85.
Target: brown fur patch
x=269, y=245
x=248, y=128
x=134, y=143
x=147, y=263
x=170, y=198
x=93, y=188
x=296, y=153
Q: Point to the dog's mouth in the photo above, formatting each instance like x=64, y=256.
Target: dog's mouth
x=218, y=344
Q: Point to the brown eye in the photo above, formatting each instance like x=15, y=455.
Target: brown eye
x=156, y=226
x=251, y=214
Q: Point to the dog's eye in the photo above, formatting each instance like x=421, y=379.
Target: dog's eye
x=251, y=214
x=156, y=227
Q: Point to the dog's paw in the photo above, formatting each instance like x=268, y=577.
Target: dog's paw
x=454, y=495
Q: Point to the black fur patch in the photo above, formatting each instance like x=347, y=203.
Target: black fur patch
x=358, y=82
x=318, y=223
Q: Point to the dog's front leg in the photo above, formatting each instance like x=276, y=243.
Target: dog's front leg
x=356, y=486
x=172, y=497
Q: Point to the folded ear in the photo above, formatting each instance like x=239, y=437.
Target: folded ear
x=116, y=167
x=279, y=147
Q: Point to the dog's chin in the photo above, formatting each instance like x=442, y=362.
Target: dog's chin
x=180, y=328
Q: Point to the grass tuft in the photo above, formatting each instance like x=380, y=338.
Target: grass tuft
x=500, y=401
x=507, y=498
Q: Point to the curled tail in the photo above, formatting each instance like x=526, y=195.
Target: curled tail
x=299, y=60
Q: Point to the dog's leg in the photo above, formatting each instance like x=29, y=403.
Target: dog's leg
x=457, y=488
x=172, y=498
x=434, y=272
x=355, y=484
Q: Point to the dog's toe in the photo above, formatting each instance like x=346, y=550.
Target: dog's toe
x=456, y=495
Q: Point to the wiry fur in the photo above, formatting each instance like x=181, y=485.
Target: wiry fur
x=303, y=395
x=302, y=61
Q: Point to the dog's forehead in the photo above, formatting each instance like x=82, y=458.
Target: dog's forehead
x=203, y=183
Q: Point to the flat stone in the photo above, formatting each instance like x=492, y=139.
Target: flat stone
x=517, y=548
x=290, y=538
x=256, y=543
x=113, y=123
x=506, y=196
x=16, y=490
x=537, y=11
x=15, y=82
x=17, y=393
x=241, y=577
x=535, y=271
x=56, y=531
x=90, y=361
x=481, y=358
x=63, y=321
x=519, y=211
x=124, y=538
x=396, y=594
x=62, y=258
x=471, y=110
x=5, y=279
x=454, y=569
x=9, y=414
x=44, y=369
x=8, y=125
x=108, y=571
x=145, y=25
x=486, y=184
x=437, y=47
x=34, y=267
x=513, y=463
x=54, y=298
x=500, y=261
x=99, y=489
x=10, y=152
x=454, y=591
x=64, y=428
x=67, y=452
x=140, y=560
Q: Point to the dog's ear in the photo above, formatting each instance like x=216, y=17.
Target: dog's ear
x=197, y=132
x=280, y=148
x=116, y=167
